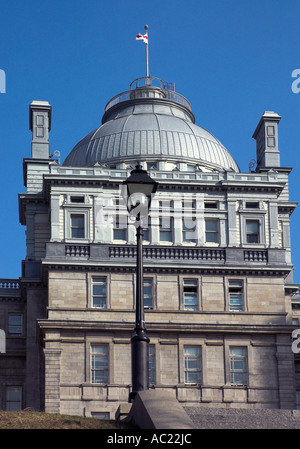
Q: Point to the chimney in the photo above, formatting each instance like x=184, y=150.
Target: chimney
x=266, y=136
x=40, y=125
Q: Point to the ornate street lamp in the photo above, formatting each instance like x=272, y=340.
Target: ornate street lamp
x=139, y=191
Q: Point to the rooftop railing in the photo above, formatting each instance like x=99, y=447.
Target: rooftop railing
x=167, y=92
x=10, y=283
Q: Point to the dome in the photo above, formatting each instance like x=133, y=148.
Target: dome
x=150, y=123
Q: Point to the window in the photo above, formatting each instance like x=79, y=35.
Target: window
x=238, y=365
x=189, y=229
x=189, y=221
x=236, y=301
x=77, y=199
x=77, y=226
x=15, y=324
x=99, y=292
x=166, y=207
x=99, y=364
x=252, y=231
x=252, y=205
x=13, y=399
x=210, y=205
x=190, y=294
x=146, y=229
x=148, y=293
x=166, y=229
x=211, y=231
x=192, y=364
x=151, y=365
x=119, y=227
x=151, y=166
x=100, y=415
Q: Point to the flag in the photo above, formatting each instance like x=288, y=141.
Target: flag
x=143, y=37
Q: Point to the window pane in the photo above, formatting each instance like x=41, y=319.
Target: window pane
x=148, y=293
x=99, y=292
x=238, y=365
x=190, y=294
x=252, y=226
x=252, y=231
x=211, y=231
x=15, y=324
x=13, y=398
x=211, y=225
x=77, y=226
x=99, y=363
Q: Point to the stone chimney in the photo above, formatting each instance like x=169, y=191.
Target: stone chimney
x=40, y=125
x=266, y=136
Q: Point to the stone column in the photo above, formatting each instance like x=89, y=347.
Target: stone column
x=52, y=354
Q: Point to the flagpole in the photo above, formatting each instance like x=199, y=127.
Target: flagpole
x=147, y=59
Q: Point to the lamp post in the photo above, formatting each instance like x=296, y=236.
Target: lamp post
x=139, y=190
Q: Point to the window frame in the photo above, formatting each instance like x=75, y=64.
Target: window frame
x=15, y=334
x=236, y=287
x=68, y=223
x=245, y=369
x=216, y=233
x=93, y=283
x=20, y=401
x=260, y=218
x=196, y=284
x=198, y=357
x=93, y=370
x=146, y=279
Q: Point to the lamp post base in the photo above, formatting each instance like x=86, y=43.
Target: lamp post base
x=139, y=362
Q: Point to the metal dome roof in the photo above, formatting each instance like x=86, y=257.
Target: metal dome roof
x=150, y=123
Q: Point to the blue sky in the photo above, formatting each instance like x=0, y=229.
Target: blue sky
x=231, y=59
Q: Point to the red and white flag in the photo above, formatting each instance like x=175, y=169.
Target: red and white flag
x=142, y=37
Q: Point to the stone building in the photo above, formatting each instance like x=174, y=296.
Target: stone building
x=217, y=266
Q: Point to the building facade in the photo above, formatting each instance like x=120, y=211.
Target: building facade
x=217, y=266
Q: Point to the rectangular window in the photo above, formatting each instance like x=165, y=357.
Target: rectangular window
x=99, y=364
x=210, y=205
x=99, y=292
x=166, y=208
x=189, y=221
x=100, y=415
x=189, y=229
x=166, y=229
x=146, y=229
x=236, y=300
x=151, y=365
x=77, y=199
x=15, y=324
x=13, y=399
x=77, y=226
x=190, y=294
x=192, y=364
x=148, y=293
x=252, y=231
x=252, y=205
x=238, y=365
x=211, y=231
x=120, y=227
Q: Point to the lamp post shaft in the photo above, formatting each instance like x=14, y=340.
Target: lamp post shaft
x=140, y=340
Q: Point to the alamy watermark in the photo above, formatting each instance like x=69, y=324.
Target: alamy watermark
x=2, y=82
x=296, y=83
x=2, y=342
x=296, y=341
